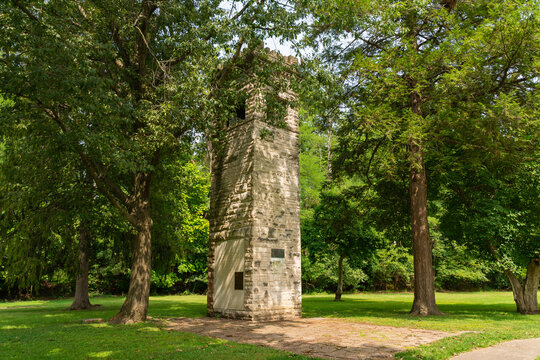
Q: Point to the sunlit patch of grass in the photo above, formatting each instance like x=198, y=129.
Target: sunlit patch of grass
x=11, y=327
x=99, y=325
x=151, y=329
x=28, y=304
x=101, y=354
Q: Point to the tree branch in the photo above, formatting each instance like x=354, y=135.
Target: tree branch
x=371, y=160
x=150, y=51
x=112, y=191
x=24, y=9
x=238, y=14
x=119, y=42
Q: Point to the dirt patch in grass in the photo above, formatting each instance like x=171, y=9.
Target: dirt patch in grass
x=317, y=337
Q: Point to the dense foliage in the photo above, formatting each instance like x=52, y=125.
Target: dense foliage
x=419, y=157
x=124, y=87
x=184, y=269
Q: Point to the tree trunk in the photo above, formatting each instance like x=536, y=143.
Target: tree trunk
x=526, y=296
x=424, y=287
x=81, y=300
x=329, y=156
x=135, y=307
x=530, y=291
x=339, y=290
x=424, y=280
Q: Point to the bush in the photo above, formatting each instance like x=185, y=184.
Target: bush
x=456, y=268
x=321, y=275
x=177, y=282
x=393, y=269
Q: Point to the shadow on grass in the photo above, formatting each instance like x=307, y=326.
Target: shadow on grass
x=177, y=307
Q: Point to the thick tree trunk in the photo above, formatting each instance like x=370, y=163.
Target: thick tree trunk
x=135, y=307
x=526, y=295
x=424, y=287
x=81, y=300
x=530, y=291
x=339, y=290
x=424, y=280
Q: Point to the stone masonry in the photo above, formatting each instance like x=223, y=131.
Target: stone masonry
x=254, y=248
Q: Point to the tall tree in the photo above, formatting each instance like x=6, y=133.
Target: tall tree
x=48, y=206
x=399, y=59
x=498, y=218
x=486, y=145
x=81, y=299
x=125, y=82
x=338, y=224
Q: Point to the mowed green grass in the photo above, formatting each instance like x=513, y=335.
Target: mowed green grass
x=44, y=329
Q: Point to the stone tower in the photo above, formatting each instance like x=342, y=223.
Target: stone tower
x=254, y=250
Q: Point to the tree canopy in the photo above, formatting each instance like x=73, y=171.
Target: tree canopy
x=418, y=137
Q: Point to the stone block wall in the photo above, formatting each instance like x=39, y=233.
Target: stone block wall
x=255, y=207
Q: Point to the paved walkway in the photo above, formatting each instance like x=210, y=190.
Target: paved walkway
x=528, y=349
x=317, y=337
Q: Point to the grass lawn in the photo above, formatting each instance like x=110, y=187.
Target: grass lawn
x=43, y=329
x=490, y=317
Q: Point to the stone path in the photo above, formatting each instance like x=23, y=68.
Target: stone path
x=317, y=337
x=528, y=349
